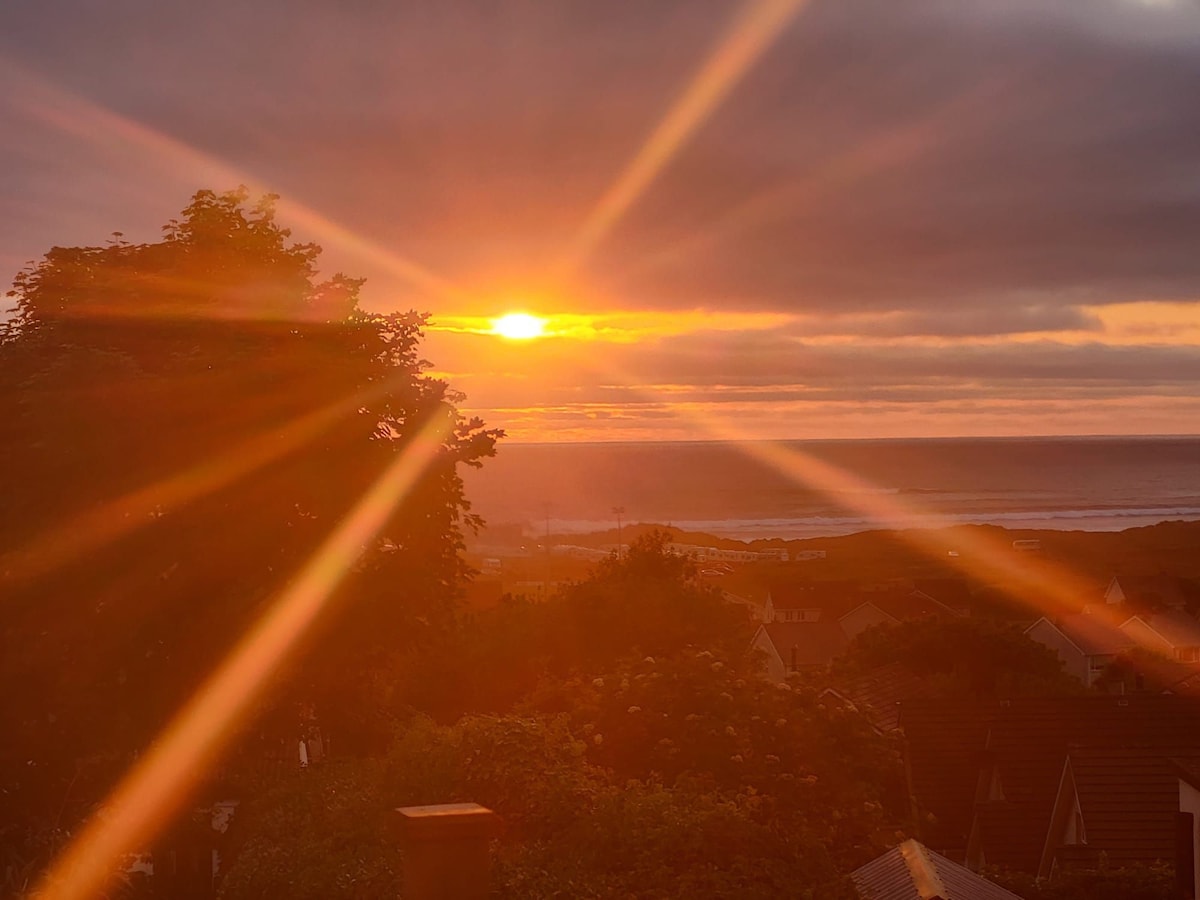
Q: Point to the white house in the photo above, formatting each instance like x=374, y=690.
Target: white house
x=1171, y=632
x=1085, y=644
x=797, y=646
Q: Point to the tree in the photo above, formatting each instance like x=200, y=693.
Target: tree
x=649, y=761
x=184, y=422
x=973, y=657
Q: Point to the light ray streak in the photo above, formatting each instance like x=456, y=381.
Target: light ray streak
x=68, y=541
x=1054, y=588
x=88, y=120
x=147, y=797
x=893, y=148
x=759, y=24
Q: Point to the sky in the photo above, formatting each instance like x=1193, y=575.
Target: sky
x=761, y=219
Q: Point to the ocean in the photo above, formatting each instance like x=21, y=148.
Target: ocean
x=1089, y=483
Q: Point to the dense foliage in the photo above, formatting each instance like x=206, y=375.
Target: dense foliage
x=962, y=657
x=182, y=423
x=1136, y=882
x=617, y=771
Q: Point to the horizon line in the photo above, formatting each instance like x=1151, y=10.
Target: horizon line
x=862, y=440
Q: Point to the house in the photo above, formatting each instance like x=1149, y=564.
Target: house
x=1171, y=632
x=1143, y=671
x=1116, y=804
x=790, y=601
x=877, y=694
x=1086, y=644
x=944, y=741
x=1188, y=825
x=798, y=646
x=1023, y=812
x=1146, y=592
x=911, y=871
x=889, y=607
x=952, y=592
x=819, y=621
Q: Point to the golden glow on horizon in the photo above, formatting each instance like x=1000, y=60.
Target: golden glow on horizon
x=622, y=326
x=519, y=326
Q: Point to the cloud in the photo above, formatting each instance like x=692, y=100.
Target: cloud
x=928, y=155
x=952, y=201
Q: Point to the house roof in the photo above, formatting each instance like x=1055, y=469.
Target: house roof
x=824, y=595
x=1028, y=744
x=1187, y=770
x=944, y=742
x=1094, y=635
x=953, y=592
x=1157, y=673
x=1129, y=797
x=912, y=871
x=1152, y=590
x=877, y=694
x=815, y=643
x=1176, y=627
x=905, y=604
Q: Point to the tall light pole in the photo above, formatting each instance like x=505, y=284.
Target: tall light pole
x=546, y=581
x=620, y=511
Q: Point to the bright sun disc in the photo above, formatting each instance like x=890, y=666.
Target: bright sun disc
x=519, y=326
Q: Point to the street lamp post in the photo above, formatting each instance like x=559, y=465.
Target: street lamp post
x=620, y=511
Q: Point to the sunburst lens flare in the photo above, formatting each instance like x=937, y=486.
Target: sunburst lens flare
x=519, y=326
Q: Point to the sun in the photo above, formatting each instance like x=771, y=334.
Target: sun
x=519, y=326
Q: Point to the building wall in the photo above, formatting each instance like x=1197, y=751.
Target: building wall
x=776, y=670
x=1189, y=802
x=1147, y=637
x=1074, y=662
x=1114, y=595
x=861, y=618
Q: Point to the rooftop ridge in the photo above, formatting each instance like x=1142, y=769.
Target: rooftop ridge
x=924, y=874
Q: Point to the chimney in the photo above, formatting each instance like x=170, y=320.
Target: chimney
x=446, y=850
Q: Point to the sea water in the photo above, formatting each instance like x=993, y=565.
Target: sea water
x=757, y=490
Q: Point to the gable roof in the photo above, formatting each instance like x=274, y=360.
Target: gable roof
x=1092, y=634
x=953, y=592
x=1175, y=626
x=944, y=743
x=1187, y=770
x=815, y=643
x=1151, y=671
x=1129, y=798
x=905, y=604
x=912, y=871
x=1028, y=743
x=823, y=595
x=877, y=694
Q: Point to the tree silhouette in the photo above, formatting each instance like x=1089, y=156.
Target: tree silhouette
x=183, y=422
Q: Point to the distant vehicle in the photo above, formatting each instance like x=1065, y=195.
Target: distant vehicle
x=1028, y=546
x=953, y=553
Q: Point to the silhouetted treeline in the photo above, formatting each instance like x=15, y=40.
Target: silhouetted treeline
x=182, y=423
